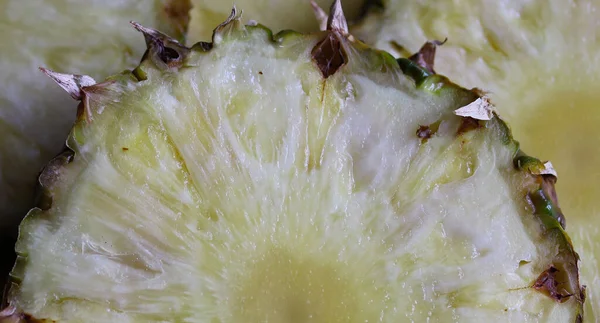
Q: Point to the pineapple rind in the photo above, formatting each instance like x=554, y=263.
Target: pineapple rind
x=190, y=187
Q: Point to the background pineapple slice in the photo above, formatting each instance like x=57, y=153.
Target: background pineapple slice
x=284, y=178
x=296, y=15
x=538, y=61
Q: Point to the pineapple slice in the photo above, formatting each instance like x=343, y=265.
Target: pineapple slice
x=538, y=61
x=290, y=178
x=73, y=36
x=275, y=14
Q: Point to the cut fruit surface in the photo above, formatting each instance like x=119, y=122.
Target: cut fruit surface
x=70, y=36
x=538, y=61
x=290, y=178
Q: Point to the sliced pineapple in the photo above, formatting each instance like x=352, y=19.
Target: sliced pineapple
x=538, y=61
x=290, y=178
x=71, y=36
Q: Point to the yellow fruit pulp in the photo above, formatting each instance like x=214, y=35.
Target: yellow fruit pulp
x=538, y=61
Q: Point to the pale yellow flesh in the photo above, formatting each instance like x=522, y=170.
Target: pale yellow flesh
x=539, y=61
x=245, y=188
x=88, y=36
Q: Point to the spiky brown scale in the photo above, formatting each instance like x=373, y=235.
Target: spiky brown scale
x=427, y=131
x=425, y=57
x=73, y=84
x=480, y=109
x=228, y=23
x=424, y=132
x=163, y=50
x=467, y=124
x=549, y=284
x=320, y=15
x=329, y=54
x=336, y=20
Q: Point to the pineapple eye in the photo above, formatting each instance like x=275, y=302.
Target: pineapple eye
x=168, y=55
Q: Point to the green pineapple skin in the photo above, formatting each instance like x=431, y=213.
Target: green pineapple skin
x=63, y=170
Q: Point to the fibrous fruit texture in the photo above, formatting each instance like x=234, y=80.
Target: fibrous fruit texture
x=290, y=178
x=70, y=36
x=538, y=61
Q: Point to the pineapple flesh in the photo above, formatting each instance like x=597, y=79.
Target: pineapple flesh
x=538, y=61
x=70, y=36
x=290, y=178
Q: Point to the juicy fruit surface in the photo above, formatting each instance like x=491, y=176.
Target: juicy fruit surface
x=242, y=185
x=538, y=60
x=278, y=15
x=70, y=36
